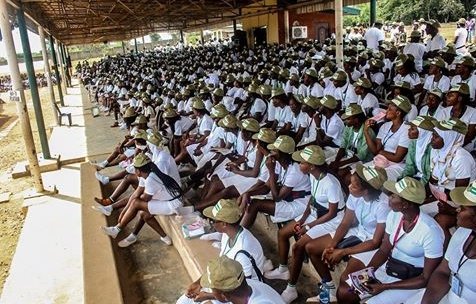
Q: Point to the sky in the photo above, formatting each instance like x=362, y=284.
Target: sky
x=35, y=44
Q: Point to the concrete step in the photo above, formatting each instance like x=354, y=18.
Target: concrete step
x=22, y=169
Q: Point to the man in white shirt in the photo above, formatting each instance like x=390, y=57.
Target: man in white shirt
x=436, y=42
x=416, y=49
x=374, y=36
x=461, y=34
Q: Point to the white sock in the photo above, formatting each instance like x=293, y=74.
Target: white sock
x=108, y=208
x=117, y=228
x=104, y=163
x=283, y=268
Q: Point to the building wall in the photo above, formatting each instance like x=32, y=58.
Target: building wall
x=268, y=20
x=313, y=21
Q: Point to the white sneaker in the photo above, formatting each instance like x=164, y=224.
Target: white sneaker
x=166, y=239
x=289, y=294
x=216, y=244
x=112, y=231
x=276, y=274
x=268, y=265
x=129, y=240
x=102, y=178
x=214, y=236
x=122, y=126
x=106, y=210
x=332, y=295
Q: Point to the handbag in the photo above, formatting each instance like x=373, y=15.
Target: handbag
x=402, y=270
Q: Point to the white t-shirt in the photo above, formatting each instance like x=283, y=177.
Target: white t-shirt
x=213, y=139
x=259, y=106
x=466, y=272
x=425, y=240
x=204, y=124
x=443, y=84
x=154, y=186
x=390, y=140
x=461, y=34
x=435, y=43
x=469, y=116
x=377, y=78
x=166, y=163
x=368, y=103
x=417, y=50
x=412, y=79
x=293, y=178
x=262, y=293
x=182, y=126
x=245, y=240
x=368, y=214
x=283, y=116
x=346, y=95
x=327, y=190
x=373, y=35
x=333, y=128
x=439, y=113
x=471, y=82
x=298, y=121
x=462, y=166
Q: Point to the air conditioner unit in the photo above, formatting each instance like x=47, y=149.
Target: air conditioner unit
x=299, y=32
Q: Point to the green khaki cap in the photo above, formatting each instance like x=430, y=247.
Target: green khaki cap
x=198, y=104
x=204, y=90
x=168, y=106
x=439, y=62
x=466, y=61
x=265, y=135
x=218, y=92
x=376, y=63
x=253, y=88
x=223, y=274
x=402, y=103
x=339, y=76
x=407, y=188
x=226, y=210
x=294, y=77
x=415, y=34
x=219, y=111
x=464, y=196
x=170, y=113
x=462, y=21
x=437, y=92
x=352, y=110
x=462, y=88
x=284, y=144
x=141, y=119
x=424, y=122
x=141, y=134
x=277, y=92
x=449, y=49
x=230, y=78
x=141, y=160
x=249, y=124
x=375, y=176
x=311, y=101
x=402, y=85
x=363, y=82
x=155, y=138
x=265, y=89
x=329, y=102
x=228, y=121
x=129, y=113
x=284, y=73
x=453, y=124
x=312, y=72
x=311, y=154
x=325, y=73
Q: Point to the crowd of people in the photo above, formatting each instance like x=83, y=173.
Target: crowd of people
x=371, y=164
x=41, y=81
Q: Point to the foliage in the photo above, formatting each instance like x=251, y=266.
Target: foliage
x=410, y=10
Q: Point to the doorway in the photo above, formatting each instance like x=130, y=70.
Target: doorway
x=260, y=36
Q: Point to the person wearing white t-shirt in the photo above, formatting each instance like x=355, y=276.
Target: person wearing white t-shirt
x=436, y=42
x=461, y=35
x=331, y=125
x=435, y=79
x=411, y=237
x=282, y=113
x=391, y=144
x=464, y=74
x=434, y=106
x=289, y=187
x=453, y=281
x=415, y=48
x=374, y=36
x=365, y=96
x=179, y=126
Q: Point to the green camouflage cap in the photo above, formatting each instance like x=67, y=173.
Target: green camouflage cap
x=462, y=88
x=437, y=92
x=312, y=72
x=170, y=113
x=228, y=121
x=424, y=122
x=329, y=102
x=452, y=124
x=265, y=90
x=226, y=210
x=408, y=188
x=129, y=113
x=311, y=101
x=154, y=138
x=198, y=104
x=311, y=154
x=223, y=274
x=265, y=135
x=218, y=92
x=249, y=124
x=141, y=119
x=141, y=134
x=439, y=62
x=219, y=111
x=352, y=110
x=375, y=176
x=140, y=160
x=284, y=144
x=464, y=196
x=339, y=76
x=402, y=102
x=363, y=82
x=277, y=92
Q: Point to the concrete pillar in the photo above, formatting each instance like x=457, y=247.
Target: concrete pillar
x=47, y=72
x=181, y=37
x=373, y=11
x=35, y=95
x=123, y=47
x=339, y=32
x=64, y=57
x=61, y=68
x=143, y=43
x=57, y=74
x=286, y=26
x=18, y=94
x=201, y=37
x=135, y=45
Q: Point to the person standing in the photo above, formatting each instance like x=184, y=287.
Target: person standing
x=374, y=36
x=461, y=35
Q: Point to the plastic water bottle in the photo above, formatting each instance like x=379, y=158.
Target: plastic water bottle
x=323, y=292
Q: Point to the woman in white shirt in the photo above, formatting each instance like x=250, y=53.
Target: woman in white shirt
x=434, y=106
x=464, y=74
x=366, y=97
x=415, y=48
x=157, y=193
x=322, y=215
x=435, y=79
x=453, y=280
x=412, y=246
x=391, y=144
x=406, y=71
x=289, y=187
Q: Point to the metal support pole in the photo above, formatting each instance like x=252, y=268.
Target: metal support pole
x=201, y=37
x=234, y=26
x=65, y=64
x=135, y=45
x=286, y=26
x=143, y=43
x=339, y=39
x=35, y=96
x=18, y=94
x=57, y=74
x=48, y=72
x=62, y=72
x=373, y=11
x=181, y=36
x=123, y=47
